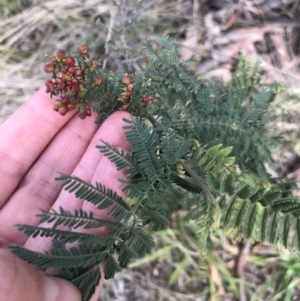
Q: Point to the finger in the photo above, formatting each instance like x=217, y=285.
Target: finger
x=25, y=282
x=95, y=296
x=38, y=189
x=112, y=132
x=23, y=137
x=110, y=179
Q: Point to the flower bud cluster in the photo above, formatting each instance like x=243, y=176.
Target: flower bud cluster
x=69, y=81
x=147, y=99
x=128, y=88
x=76, y=81
x=127, y=91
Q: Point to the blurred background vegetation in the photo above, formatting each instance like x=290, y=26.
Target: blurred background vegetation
x=217, y=33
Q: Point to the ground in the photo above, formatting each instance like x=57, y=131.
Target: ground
x=217, y=33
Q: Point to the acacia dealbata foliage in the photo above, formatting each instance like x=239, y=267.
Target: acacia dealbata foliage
x=190, y=148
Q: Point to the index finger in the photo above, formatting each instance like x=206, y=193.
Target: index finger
x=23, y=137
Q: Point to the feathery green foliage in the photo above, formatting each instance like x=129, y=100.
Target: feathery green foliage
x=191, y=146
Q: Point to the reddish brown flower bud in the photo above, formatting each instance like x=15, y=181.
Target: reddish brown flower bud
x=60, y=55
x=61, y=86
x=58, y=80
x=93, y=69
x=70, y=107
x=78, y=72
x=88, y=112
x=69, y=60
x=127, y=94
x=63, y=70
x=83, y=48
x=66, y=77
x=74, y=80
x=98, y=81
x=53, y=60
x=48, y=90
x=71, y=70
x=75, y=88
x=62, y=110
x=130, y=87
x=124, y=107
x=82, y=115
x=49, y=84
x=151, y=98
x=49, y=68
x=126, y=80
x=65, y=100
x=146, y=99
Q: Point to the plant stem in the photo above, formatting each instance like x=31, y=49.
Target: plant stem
x=200, y=182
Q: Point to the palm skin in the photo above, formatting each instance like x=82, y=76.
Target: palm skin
x=35, y=144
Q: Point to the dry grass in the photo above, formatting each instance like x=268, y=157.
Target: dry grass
x=27, y=37
x=29, y=30
x=48, y=26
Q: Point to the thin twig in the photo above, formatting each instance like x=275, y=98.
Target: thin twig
x=242, y=260
x=199, y=181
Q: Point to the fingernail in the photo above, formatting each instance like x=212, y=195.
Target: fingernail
x=51, y=289
x=56, y=289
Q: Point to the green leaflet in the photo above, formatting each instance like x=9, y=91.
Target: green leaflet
x=80, y=218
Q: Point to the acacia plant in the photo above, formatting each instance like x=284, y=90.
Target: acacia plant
x=200, y=145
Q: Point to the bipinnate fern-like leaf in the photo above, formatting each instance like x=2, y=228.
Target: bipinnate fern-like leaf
x=99, y=196
x=262, y=224
x=66, y=236
x=121, y=159
x=235, y=114
x=254, y=211
x=226, y=185
x=143, y=145
x=190, y=147
x=211, y=182
x=286, y=205
x=171, y=147
x=80, y=218
x=86, y=279
x=60, y=257
x=139, y=240
x=186, y=184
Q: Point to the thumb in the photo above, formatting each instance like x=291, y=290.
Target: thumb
x=20, y=281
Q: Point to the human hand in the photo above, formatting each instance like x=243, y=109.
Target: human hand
x=35, y=144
